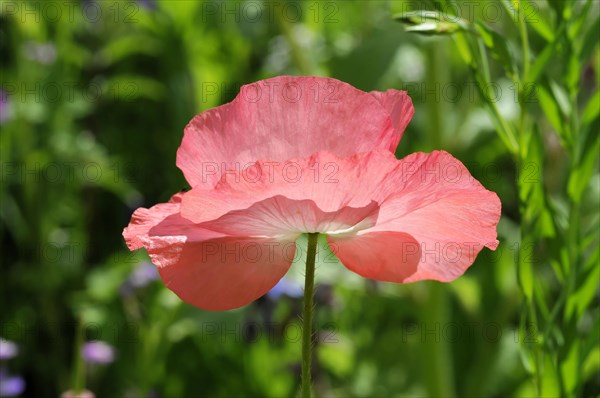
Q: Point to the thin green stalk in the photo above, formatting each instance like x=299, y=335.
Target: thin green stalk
x=78, y=372
x=524, y=44
x=439, y=371
x=537, y=354
x=574, y=239
x=573, y=236
x=151, y=349
x=481, y=72
x=309, y=290
x=437, y=74
x=296, y=51
x=522, y=83
x=524, y=133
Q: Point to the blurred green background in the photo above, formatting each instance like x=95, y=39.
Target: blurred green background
x=95, y=96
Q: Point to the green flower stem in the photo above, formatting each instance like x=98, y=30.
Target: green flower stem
x=309, y=290
x=297, y=52
x=440, y=375
x=524, y=43
x=79, y=371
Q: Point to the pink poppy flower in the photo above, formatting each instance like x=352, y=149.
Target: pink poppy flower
x=295, y=155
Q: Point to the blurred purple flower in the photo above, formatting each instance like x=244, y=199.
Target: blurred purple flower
x=44, y=53
x=147, y=4
x=98, y=352
x=10, y=386
x=287, y=287
x=5, y=107
x=8, y=349
x=143, y=274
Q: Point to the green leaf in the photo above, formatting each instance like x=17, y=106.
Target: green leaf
x=539, y=65
x=591, y=235
x=432, y=22
x=591, y=110
x=131, y=87
x=573, y=73
x=557, y=6
x=591, y=351
x=103, y=283
x=569, y=367
x=549, y=373
x=525, y=272
x=590, y=41
x=527, y=346
x=551, y=108
x=561, y=97
x=541, y=299
x=536, y=20
x=338, y=358
x=498, y=45
x=580, y=176
x=580, y=300
x=532, y=17
x=591, y=366
x=534, y=210
x=132, y=45
x=577, y=23
x=510, y=10
x=462, y=45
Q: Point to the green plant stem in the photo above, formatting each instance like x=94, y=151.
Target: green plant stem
x=309, y=290
x=438, y=370
x=574, y=230
x=524, y=44
x=78, y=372
x=482, y=75
x=537, y=350
x=440, y=376
x=298, y=54
x=527, y=224
x=437, y=74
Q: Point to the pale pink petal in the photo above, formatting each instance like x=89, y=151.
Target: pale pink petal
x=384, y=256
x=143, y=219
x=283, y=217
x=204, y=267
x=445, y=209
x=289, y=117
x=220, y=273
x=422, y=217
x=330, y=182
x=400, y=108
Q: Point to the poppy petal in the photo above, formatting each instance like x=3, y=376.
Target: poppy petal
x=144, y=219
x=383, y=256
x=400, y=108
x=332, y=183
x=220, y=273
x=290, y=117
x=284, y=217
x=446, y=210
x=203, y=267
